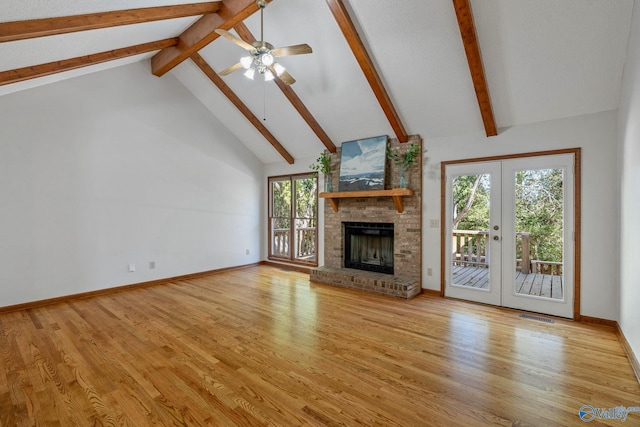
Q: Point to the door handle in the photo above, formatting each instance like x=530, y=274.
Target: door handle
x=496, y=237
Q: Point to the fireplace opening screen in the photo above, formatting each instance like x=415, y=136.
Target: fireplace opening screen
x=369, y=246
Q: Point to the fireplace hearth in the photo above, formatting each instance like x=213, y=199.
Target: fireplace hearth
x=368, y=246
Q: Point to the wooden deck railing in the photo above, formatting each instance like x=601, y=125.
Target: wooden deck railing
x=470, y=248
x=304, y=242
x=546, y=267
x=280, y=243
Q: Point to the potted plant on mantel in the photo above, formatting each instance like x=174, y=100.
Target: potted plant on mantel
x=403, y=160
x=323, y=164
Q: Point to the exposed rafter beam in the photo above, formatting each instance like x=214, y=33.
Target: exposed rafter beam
x=350, y=33
x=226, y=90
x=20, y=30
x=470, y=42
x=201, y=33
x=292, y=96
x=26, y=73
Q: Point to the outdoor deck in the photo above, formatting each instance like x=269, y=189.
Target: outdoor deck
x=544, y=285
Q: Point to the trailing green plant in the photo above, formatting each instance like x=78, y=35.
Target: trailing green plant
x=322, y=164
x=405, y=159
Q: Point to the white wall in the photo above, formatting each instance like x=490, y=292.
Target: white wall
x=596, y=135
x=113, y=168
x=629, y=135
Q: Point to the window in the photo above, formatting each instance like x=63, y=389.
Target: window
x=293, y=218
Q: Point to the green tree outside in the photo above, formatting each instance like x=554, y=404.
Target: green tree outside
x=539, y=209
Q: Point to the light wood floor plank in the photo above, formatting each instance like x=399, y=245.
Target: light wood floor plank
x=264, y=347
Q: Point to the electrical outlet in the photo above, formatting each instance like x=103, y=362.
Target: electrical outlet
x=132, y=268
x=152, y=265
x=247, y=251
x=434, y=223
x=429, y=271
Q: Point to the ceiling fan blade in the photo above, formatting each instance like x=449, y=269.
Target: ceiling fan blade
x=243, y=44
x=298, y=49
x=286, y=78
x=231, y=69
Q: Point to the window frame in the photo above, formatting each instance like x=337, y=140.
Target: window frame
x=292, y=257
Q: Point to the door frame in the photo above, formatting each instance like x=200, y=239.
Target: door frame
x=577, y=167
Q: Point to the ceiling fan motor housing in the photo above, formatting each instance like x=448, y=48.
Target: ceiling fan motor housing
x=262, y=56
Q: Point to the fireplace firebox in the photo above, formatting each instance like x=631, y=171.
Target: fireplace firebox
x=368, y=246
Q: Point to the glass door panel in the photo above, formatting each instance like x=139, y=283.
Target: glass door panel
x=538, y=209
x=305, y=220
x=539, y=217
x=469, y=245
x=280, y=218
x=471, y=270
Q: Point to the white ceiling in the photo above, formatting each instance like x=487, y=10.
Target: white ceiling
x=543, y=59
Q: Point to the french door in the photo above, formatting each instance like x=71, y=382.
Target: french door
x=509, y=233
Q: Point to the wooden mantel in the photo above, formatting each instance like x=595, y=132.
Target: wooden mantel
x=396, y=194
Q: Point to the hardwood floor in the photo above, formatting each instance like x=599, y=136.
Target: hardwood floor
x=261, y=346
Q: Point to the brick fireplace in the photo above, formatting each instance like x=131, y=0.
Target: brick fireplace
x=405, y=281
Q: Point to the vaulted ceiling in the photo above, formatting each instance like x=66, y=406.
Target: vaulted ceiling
x=394, y=67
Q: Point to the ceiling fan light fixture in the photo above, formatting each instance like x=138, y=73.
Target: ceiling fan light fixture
x=267, y=59
x=250, y=73
x=268, y=76
x=246, y=61
x=278, y=68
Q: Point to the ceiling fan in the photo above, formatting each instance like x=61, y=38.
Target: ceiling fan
x=262, y=55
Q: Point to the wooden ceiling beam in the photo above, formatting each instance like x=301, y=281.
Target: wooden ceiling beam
x=235, y=100
x=35, y=71
x=201, y=33
x=474, y=59
x=20, y=30
x=350, y=33
x=292, y=96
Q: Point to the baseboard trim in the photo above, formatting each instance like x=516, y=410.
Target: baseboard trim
x=598, y=321
x=100, y=292
x=431, y=292
x=633, y=360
